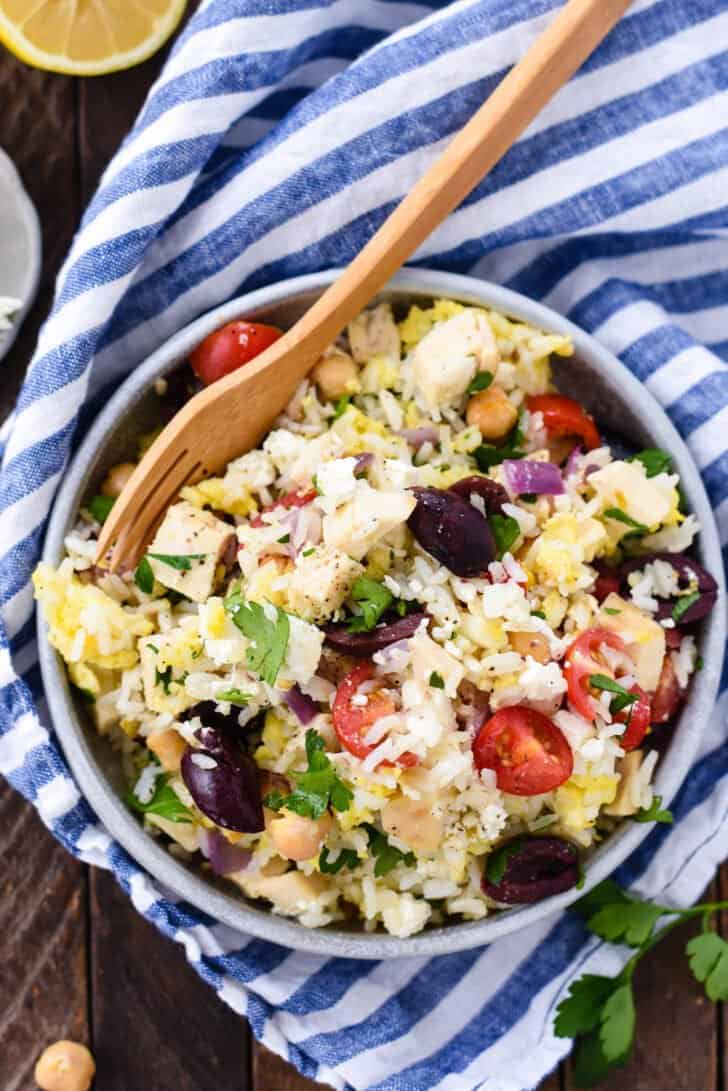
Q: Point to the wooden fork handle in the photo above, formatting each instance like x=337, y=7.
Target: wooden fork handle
x=553, y=58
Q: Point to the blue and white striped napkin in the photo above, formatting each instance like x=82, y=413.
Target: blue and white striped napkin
x=277, y=138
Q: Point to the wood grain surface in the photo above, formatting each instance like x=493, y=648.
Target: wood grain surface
x=76, y=960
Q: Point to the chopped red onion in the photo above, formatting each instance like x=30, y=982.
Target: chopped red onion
x=524, y=476
x=572, y=461
x=304, y=707
x=363, y=462
x=225, y=858
x=416, y=437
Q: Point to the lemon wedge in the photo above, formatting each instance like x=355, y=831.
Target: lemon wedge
x=87, y=37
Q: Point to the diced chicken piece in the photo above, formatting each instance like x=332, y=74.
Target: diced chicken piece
x=429, y=658
x=169, y=746
x=321, y=582
x=356, y=526
x=163, y=689
x=643, y=637
x=374, y=333
x=290, y=893
x=413, y=822
x=449, y=356
x=200, y=537
x=184, y=833
x=624, y=802
x=625, y=485
x=105, y=714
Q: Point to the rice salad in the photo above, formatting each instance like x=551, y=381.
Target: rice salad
x=414, y=656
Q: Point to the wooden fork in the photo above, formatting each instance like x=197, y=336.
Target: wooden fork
x=229, y=417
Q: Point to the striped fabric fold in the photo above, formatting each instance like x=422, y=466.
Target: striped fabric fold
x=276, y=139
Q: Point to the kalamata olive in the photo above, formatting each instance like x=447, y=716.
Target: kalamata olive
x=688, y=572
x=493, y=495
x=223, y=781
x=668, y=696
x=539, y=868
x=225, y=722
x=452, y=531
x=381, y=636
x=620, y=446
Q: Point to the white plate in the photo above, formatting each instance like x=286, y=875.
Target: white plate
x=20, y=246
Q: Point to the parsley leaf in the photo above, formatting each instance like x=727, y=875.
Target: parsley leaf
x=487, y=455
x=316, y=788
x=630, y=922
x=99, y=507
x=683, y=604
x=163, y=678
x=654, y=461
x=341, y=406
x=373, y=599
x=234, y=696
x=497, y=863
x=482, y=381
x=268, y=638
x=165, y=803
x=144, y=577
x=708, y=955
x=182, y=562
x=623, y=699
x=387, y=856
x=437, y=681
x=581, y=1010
x=654, y=813
x=505, y=531
x=590, y=1064
x=638, y=529
x=346, y=858
x=617, y=1023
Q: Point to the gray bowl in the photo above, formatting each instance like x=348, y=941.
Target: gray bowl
x=596, y=378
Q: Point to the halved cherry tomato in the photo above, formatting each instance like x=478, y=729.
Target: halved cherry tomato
x=637, y=717
x=581, y=661
x=668, y=696
x=288, y=500
x=563, y=416
x=230, y=347
x=351, y=721
x=528, y=752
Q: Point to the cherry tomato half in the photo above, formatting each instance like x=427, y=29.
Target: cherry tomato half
x=351, y=721
x=563, y=416
x=637, y=718
x=288, y=500
x=581, y=661
x=528, y=752
x=230, y=347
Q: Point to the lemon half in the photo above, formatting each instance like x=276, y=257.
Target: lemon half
x=87, y=37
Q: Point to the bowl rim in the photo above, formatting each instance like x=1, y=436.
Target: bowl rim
x=27, y=225
x=231, y=909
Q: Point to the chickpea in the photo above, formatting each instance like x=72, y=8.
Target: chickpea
x=491, y=411
x=296, y=837
x=336, y=375
x=169, y=746
x=412, y=821
x=117, y=478
x=65, y=1066
x=534, y=644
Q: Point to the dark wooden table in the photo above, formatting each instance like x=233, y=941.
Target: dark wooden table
x=76, y=960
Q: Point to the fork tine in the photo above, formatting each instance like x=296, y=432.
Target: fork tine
x=155, y=481
x=141, y=530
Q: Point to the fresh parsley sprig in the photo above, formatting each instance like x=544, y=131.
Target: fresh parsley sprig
x=387, y=856
x=623, y=698
x=317, y=788
x=268, y=636
x=599, y=1011
x=372, y=600
x=165, y=802
x=654, y=813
